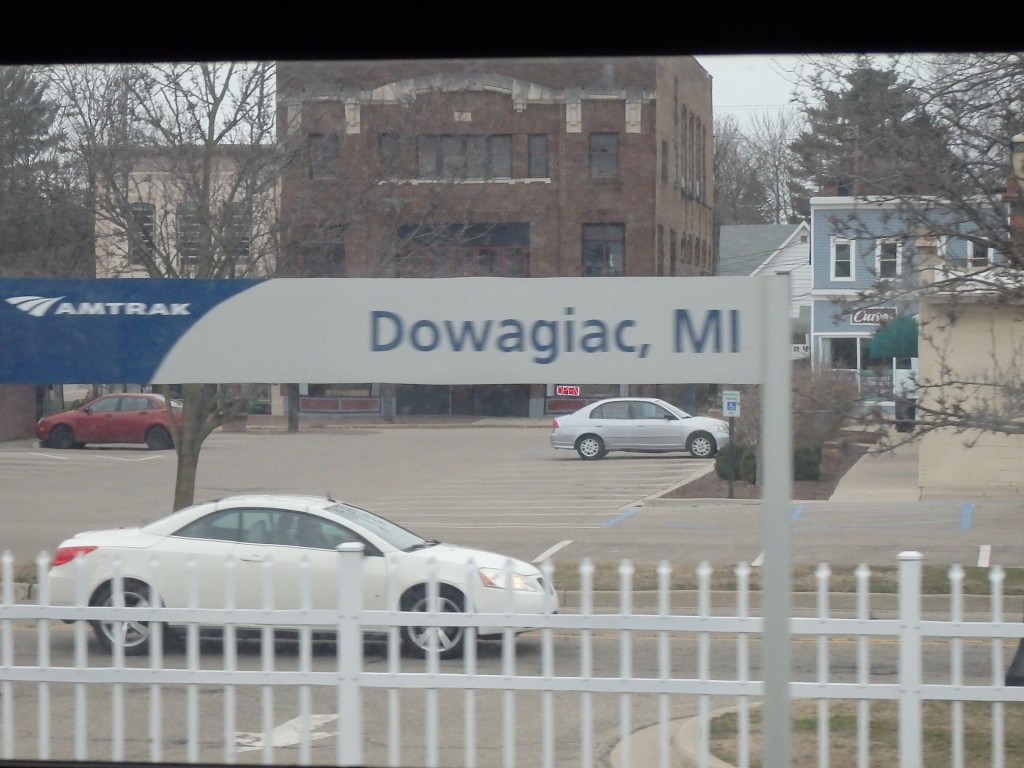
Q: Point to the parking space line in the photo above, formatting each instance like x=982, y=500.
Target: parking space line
x=551, y=550
x=984, y=555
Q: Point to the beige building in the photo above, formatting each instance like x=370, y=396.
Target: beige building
x=985, y=343
x=155, y=225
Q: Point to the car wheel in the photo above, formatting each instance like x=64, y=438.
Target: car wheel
x=701, y=445
x=135, y=635
x=590, y=447
x=158, y=439
x=62, y=437
x=450, y=640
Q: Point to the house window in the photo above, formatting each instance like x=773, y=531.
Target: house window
x=842, y=259
x=537, y=156
x=464, y=156
x=323, y=155
x=887, y=259
x=187, y=233
x=604, y=250
x=237, y=231
x=604, y=155
x=979, y=255
x=140, y=237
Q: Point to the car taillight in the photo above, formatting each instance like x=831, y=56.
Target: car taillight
x=67, y=554
x=554, y=423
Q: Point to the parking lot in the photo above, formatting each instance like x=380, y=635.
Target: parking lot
x=498, y=488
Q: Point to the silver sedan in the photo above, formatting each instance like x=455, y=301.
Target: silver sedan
x=642, y=424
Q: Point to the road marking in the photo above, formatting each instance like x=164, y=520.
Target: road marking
x=966, y=517
x=551, y=550
x=285, y=735
x=984, y=555
x=619, y=518
x=89, y=456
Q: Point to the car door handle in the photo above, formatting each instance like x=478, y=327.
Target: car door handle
x=252, y=557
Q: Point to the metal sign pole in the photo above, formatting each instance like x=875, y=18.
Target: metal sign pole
x=776, y=590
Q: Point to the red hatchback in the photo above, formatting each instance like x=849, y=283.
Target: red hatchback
x=117, y=418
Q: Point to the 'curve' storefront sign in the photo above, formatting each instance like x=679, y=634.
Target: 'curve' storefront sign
x=416, y=331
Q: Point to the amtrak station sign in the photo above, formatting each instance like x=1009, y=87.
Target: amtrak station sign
x=643, y=330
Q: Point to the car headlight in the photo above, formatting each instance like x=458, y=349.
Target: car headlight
x=500, y=579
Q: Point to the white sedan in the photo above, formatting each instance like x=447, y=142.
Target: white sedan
x=643, y=424
x=292, y=531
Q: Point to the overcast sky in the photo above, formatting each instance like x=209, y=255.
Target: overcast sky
x=743, y=85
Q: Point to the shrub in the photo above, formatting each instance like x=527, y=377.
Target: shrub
x=730, y=456
x=806, y=462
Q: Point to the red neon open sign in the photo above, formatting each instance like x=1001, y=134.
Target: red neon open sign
x=567, y=390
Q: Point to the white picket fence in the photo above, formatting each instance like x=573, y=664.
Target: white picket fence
x=559, y=705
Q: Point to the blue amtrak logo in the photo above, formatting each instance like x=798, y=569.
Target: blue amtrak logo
x=38, y=306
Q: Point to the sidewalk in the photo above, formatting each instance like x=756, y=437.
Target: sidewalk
x=888, y=476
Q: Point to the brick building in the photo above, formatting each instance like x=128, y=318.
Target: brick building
x=498, y=167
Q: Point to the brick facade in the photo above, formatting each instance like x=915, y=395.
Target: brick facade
x=17, y=411
x=522, y=167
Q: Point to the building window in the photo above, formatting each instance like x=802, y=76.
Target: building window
x=324, y=155
x=604, y=250
x=237, y=231
x=979, y=255
x=187, y=233
x=537, y=156
x=464, y=156
x=321, y=254
x=140, y=237
x=661, y=249
x=842, y=259
x=604, y=155
x=390, y=155
x=458, y=250
x=673, y=262
x=664, y=161
x=887, y=259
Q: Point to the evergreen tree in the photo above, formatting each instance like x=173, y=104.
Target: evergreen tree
x=868, y=133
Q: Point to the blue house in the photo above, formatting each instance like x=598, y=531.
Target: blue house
x=861, y=245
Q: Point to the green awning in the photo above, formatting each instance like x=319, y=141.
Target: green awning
x=897, y=338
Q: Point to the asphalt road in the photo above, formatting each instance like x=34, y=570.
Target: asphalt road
x=498, y=488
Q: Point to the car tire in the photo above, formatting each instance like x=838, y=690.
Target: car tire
x=701, y=445
x=62, y=437
x=590, y=447
x=450, y=640
x=135, y=635
x=158, y=439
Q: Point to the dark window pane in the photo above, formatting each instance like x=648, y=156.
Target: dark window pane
x=323, y=155
x=604, y=155
x=501, y=157
x=537, y=150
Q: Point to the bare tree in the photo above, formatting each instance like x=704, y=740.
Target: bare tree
x=769, y=140
x=740, y=193
x=181, y=162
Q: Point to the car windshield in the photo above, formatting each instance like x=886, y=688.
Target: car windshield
x=392, y=533
x=677, y=411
